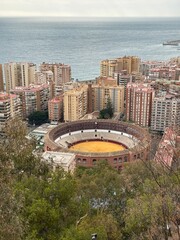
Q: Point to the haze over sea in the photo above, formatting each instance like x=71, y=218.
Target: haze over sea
x=83, y=43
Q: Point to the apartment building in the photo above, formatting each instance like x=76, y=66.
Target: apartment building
x=19, y=74
x=165, y=112
x=109, y=66
x=33, y=98
x=139, y=99
x=1, y=79
x=101, y=94
x=61, y=72
x=44, y=77
x=55, y=109
x=147, y=66
x=10, y=106
x=75, y=103
x=123, y=79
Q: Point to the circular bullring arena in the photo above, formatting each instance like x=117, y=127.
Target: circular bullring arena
x=97, y=139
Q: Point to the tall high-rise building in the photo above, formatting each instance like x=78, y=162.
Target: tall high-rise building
x=10, y=106
x=128, y=63
x=33, y=98
x=101, y=95
x=46, y=77
x=139, y=99
x=61, y=72
x=75, y=103
x=1, y=79
x=55, y=109
x=107, y=67
x=19, y=74
x=122, y=80
x=165, y=112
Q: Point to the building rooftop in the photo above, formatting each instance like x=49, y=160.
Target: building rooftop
x=31, y=88
x=64, y=160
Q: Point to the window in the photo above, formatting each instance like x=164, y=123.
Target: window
x=115, y=160
x=120, y=160
x=94, y=161
x=78, y=160
x=84, y=161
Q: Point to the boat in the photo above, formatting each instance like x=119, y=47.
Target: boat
x=172, y=43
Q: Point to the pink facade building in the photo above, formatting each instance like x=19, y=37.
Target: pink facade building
x=139, y=103
x=55, y=109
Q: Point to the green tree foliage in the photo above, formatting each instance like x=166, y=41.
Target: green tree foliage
x=38, y=117
x=50, y=205
x=10, y=221
x=104, y=225
x=108, y=111
x=19, y=149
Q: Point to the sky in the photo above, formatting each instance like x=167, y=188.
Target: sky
x=90, y=8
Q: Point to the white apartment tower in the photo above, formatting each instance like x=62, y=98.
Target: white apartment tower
x=165, y=112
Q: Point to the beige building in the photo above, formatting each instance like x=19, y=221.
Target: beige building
x=101, y=94
x=33, y=98
x=19, y=74
x=44, y=77
x=104, y=81
x=75, y=103
x=10, y=106
x=139, y=99
x=61, y=72
x=129, y=63
x=1, y=79
x=55, y=109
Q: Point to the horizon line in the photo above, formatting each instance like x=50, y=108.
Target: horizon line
x=47, y=16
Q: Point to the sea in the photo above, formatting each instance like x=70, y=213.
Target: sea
x=84, y=42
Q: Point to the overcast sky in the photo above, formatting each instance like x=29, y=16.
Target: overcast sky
x=91, y=8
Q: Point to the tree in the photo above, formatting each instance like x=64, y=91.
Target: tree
x=104, y=225
x=50, y=205
x=155, y=189
x=10, y=221
x=38, y=117
x=108, y=111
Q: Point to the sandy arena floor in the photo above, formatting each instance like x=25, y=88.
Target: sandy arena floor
x=97, y=146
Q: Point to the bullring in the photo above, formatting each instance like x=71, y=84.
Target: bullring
x=135, y=141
